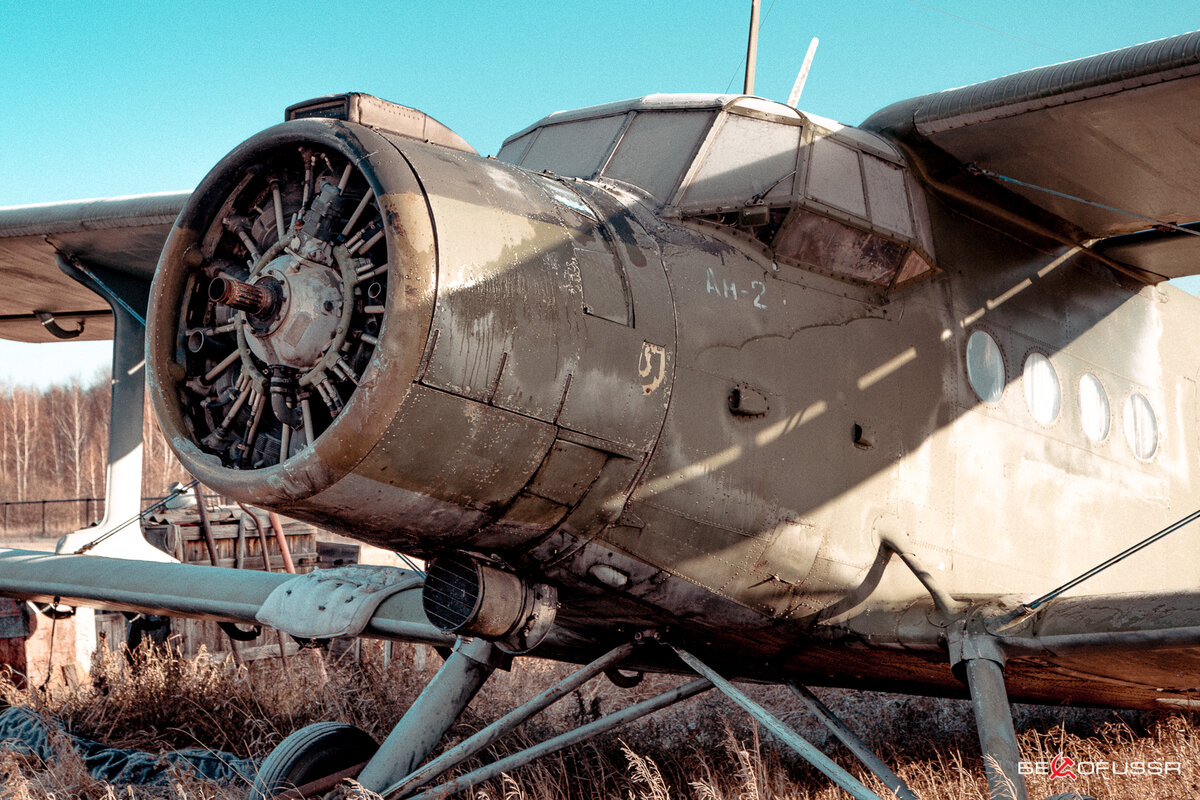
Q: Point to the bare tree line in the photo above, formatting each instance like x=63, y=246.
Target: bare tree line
x=54, y=443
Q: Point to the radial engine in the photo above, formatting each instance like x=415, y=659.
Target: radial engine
x=365, y=323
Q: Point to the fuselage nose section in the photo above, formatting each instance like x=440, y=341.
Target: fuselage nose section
x=409, y=343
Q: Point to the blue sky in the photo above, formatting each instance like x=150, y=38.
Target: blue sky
x=106, y=98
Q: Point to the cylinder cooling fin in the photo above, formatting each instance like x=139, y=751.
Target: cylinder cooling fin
x=272, y=298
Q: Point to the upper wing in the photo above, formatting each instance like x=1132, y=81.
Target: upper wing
x=1097, y=148
x=124, y=234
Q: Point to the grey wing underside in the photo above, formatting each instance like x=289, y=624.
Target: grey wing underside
x=1105, y=149
x=123, y=235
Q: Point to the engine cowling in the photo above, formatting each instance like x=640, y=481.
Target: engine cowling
x=409, y=343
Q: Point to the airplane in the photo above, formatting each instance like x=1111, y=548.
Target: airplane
x=695, y=384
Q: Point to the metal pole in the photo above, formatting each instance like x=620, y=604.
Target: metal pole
x=997, y=737
x=206, y=526
x=469, y=747
x=843, y=779
x=239, y=546
x=431, y=714
x=636, y=711
x=853, y=743
x=284, y=550
x=751, y=49
x=262, y=537
x=1061, y=643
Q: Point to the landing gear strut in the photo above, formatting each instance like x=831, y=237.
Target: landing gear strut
x=434, y=711
x=978, y=658
x=395, y=770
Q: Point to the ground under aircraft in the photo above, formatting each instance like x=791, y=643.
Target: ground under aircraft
x=687, y=383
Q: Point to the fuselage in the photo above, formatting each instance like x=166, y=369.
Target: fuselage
x=685, y=414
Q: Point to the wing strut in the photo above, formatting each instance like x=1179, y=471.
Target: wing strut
x=843, y=779
x=125, y=294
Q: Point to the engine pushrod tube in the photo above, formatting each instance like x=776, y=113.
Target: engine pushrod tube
x=484, y=738
x=853, y=743
x=843, y=779
x=550, y=746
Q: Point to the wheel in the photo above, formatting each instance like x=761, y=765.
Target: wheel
x=310, y=754
x=147, y=628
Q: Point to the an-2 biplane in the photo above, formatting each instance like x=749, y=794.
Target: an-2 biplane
x=686, y=383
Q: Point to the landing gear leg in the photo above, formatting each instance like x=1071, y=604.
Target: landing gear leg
x=432, y=714
x=981, y=661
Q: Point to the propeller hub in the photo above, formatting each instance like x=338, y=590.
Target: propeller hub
x=306, y=320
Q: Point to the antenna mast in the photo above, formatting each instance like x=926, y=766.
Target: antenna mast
x=751, y=48
x=802, y=77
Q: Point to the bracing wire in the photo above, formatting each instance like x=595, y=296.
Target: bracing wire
x=140, y=516
x=1033, y=605
x=975, y=169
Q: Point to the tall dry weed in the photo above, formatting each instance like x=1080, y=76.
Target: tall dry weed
x=701, y=749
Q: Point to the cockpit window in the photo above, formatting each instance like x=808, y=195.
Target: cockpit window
x=835, y=178
x=656, y=148
x=746, y=158
x=821, y=196
x=574, y=149
x=840, y=250
x=645, y=147
x=887, y=195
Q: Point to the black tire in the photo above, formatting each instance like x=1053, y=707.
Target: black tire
x=309, y=754
x=147, y=628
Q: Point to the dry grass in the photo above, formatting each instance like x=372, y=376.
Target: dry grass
x=700, y=749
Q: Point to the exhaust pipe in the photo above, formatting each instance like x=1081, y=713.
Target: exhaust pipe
x=466, y=597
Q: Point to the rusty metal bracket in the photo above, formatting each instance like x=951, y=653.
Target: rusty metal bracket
x=57, y=331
